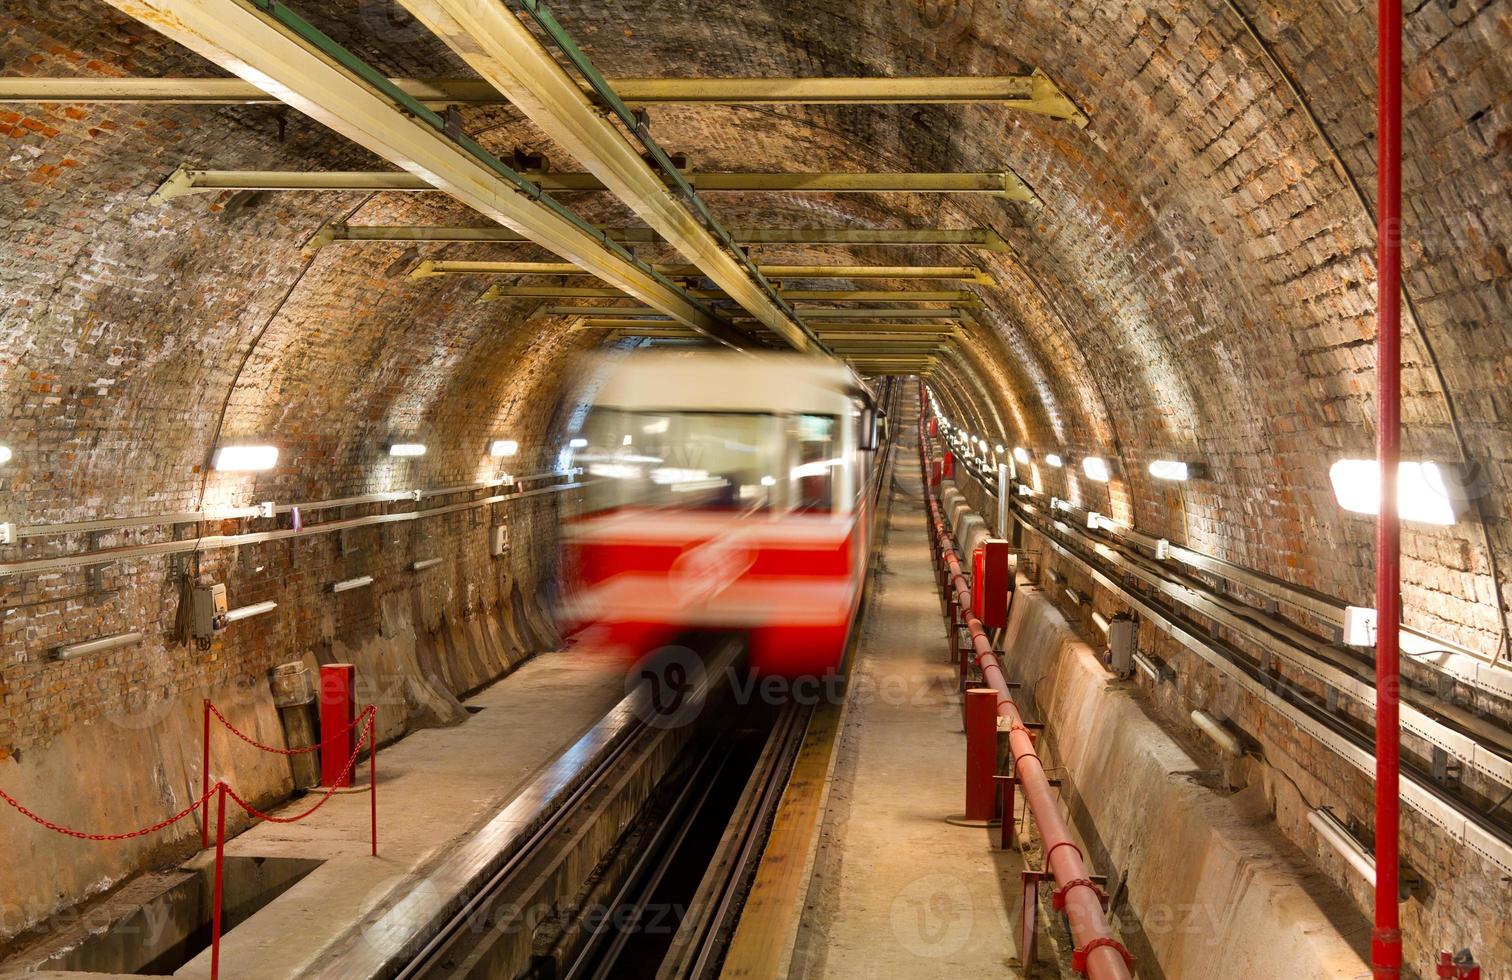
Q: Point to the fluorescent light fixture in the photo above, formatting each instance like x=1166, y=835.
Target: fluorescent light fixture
x=424, y=563
x=5, y=455
x=816, y=468
x=1337, y=836
x=1147, y=665
x=247, y=612
x=347, y=585
x=615, y=471
x=71, y=650
x=1021, y=454
x=1096, y=468
x=1101, y=622
x=625, y=441
x=1169, y=469
x=668, y=475
x=407, y=449
x=1074, y=596
x=578, y=444
x=244, y=459
x=769, y=481
x=1423, y=490
x=999, y=450
x=1054, y=460
x=503, y=447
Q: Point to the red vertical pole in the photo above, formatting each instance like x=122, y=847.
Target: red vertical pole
x=981, y=753
x=372, y=727
x=205, y=778
x=1386, y=941
x=220, y=880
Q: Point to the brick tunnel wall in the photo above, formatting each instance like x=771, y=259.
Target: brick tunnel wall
x=1198, y=284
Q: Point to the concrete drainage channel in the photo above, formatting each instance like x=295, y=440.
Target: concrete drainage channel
x=159, y=922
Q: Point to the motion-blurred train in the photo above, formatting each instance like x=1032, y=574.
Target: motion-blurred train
x=726, y=492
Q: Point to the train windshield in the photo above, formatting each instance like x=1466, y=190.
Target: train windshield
x=733, y=461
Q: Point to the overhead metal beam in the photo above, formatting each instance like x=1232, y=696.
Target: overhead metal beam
x=1028, y=93
x=431, y=268
x=983, y=238
x=1005, y=183
x=498, y=292
x=874, y=317
x=501, y=48
x=289, y=59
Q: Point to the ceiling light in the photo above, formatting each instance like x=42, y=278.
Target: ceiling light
x=407, y=449
x=1096, y=468
x=1423, y=490
x=1054, y=460
x=625, y=441
x=578, y=444
x=243, y=459
x=503, y=447
x=999, y=450
x=1021, y=454
x=1169, y=469
x=5, y=455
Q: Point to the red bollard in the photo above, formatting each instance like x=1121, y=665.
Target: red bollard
x=981, y=754
x=338, y=714
x=205, y=779
x=1461, y=967
x=220, y=880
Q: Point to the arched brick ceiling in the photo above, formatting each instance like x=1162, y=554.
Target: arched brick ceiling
x=1197, y=283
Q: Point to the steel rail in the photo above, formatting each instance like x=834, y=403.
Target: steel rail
x=1459, y=819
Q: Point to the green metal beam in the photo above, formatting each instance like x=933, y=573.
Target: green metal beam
x=432, y=268
x=498, y=292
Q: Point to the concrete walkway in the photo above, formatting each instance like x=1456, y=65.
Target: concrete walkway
x=897, y=891
x=435, y=789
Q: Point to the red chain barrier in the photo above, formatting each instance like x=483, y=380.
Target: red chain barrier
x=68, y=832
x=268, y=748
x=351, y=764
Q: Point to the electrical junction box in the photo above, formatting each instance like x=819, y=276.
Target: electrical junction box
x=498, y=540
x=265, y=509
x=1359, y=626
x=1123, y=640
x=7, y=533
x=207, y=611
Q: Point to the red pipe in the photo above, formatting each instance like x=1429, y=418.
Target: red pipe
x=1099, y=955
x=1386, y=941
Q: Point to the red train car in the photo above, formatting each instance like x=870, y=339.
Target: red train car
x=725, y=494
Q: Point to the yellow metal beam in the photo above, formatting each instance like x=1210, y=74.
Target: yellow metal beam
x=1028, y=93
x=1004, y=183
x=982, y=238
x=499, y=46
x=243, y=38
x=498, y=292
x=431, y=268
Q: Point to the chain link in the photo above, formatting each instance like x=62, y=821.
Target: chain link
x=268, y=748
x=336, y=784
x=69, y=832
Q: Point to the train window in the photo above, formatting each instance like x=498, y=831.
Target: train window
x=814, y=451
x=686, y=460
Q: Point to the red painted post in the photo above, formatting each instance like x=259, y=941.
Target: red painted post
x=338, y=736
x=981, y=754
x=372, y=727
x=205, y=778
x=220, y=880
x=1386, y=940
